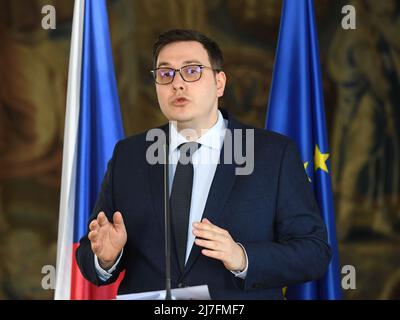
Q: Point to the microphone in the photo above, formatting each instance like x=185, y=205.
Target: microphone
x=167, y=215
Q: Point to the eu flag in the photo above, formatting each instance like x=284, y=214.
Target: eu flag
x=296, y=109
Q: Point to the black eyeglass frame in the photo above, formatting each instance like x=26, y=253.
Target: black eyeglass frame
x=154, y=71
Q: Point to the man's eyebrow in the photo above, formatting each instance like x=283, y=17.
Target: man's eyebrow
x=191, y=61
x=161, y=64
x=186, y=62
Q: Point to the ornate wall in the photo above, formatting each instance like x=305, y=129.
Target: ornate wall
x=360, y=69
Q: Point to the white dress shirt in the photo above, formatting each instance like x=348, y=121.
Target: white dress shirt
x=205, y=161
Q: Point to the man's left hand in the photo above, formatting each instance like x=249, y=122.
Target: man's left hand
x=218, y=244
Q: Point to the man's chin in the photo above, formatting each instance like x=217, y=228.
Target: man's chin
x=182, y=121
x=180, y=115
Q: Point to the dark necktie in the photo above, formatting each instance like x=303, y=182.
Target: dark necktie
x=181, y=195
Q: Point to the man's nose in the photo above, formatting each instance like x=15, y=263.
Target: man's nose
x=178, y=82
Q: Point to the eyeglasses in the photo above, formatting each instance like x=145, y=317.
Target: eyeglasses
x=189, y=73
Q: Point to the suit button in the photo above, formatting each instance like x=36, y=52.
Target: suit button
x=182, y=285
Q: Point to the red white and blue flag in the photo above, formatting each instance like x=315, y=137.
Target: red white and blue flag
x=92, y=127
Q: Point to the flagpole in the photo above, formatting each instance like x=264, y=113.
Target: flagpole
x=67, y=198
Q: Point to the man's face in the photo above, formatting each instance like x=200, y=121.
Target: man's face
x=191, y=104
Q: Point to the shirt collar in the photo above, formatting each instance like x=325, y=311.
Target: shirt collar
x=213, y=138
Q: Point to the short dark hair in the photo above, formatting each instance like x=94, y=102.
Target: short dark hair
x=176, y=35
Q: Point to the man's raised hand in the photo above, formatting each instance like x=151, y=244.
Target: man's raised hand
x=107, y=239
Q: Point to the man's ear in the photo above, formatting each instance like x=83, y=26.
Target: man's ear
x=220, y=78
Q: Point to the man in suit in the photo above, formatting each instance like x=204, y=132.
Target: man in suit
x=246, y=235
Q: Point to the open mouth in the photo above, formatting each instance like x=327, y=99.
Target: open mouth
x=180, y=101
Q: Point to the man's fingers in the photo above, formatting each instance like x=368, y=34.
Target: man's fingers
x=213, y=254
x=102, y=219
x=208, y=226
x=208, y=235
x=118, y=220
x=212, y=245
x=94, y=225
x=93, y=235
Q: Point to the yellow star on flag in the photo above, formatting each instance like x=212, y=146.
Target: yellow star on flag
x=320, y=160
x=305, y=168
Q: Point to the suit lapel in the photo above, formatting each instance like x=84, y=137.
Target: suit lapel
x=218, y=195
x=219, y=192
x=220, y=189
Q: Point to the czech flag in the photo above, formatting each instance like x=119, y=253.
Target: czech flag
x=93, y=125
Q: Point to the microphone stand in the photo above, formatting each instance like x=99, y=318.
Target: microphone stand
x=167, y=225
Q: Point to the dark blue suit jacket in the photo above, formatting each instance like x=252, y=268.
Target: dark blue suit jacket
x=272, y=212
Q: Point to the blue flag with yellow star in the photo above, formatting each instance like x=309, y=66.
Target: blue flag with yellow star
x=296, y=109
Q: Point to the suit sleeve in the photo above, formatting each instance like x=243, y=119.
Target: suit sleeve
x=300, y=251
x=105, y=202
